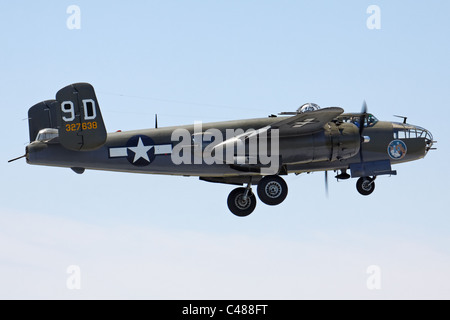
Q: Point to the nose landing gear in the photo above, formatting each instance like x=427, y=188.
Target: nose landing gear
x=365, y=185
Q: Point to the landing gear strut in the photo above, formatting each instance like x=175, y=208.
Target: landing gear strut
x=365, y=185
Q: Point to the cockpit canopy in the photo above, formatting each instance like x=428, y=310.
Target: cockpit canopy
x=46, y=134
x=369, y=121
x=307, y=107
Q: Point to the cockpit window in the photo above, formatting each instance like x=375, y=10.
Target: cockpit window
x=370, y=120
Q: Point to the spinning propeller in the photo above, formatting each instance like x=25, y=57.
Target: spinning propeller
x=362, y=121
x=363, y=139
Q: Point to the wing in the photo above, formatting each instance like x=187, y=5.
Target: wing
x=306, y=123
x=299, y=124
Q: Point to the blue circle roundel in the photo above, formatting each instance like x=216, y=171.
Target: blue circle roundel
x=397, y=149
x=140, y=150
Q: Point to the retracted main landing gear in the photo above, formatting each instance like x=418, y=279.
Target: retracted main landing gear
x=272, y=190
x=365, y=185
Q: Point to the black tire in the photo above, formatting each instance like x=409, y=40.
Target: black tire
x=272, y=190
x=239, y=207
x=365, y=185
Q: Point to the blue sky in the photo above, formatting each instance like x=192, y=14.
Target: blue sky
x=142, y=236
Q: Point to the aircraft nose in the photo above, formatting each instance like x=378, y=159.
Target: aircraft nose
x=428, y=138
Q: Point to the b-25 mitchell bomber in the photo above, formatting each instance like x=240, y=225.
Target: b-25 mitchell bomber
x=69, y=132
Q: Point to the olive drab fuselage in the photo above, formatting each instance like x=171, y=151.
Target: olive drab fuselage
x=69, y=132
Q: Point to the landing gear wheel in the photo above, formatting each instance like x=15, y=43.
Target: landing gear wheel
x=365, y=185
x=272, y=190
x=240, y=206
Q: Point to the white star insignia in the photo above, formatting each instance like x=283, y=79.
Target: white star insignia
x=140, y=151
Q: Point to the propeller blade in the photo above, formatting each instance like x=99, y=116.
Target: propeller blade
x=364, y=107
x=362, y=118
x=326, y=183
x=362, y=121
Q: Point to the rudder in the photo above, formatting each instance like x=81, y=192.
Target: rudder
x=41, y=116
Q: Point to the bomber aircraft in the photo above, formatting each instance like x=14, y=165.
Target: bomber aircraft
x=69, y=132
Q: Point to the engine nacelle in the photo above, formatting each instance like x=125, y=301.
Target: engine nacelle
x=335, y=142
x=345, y=140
